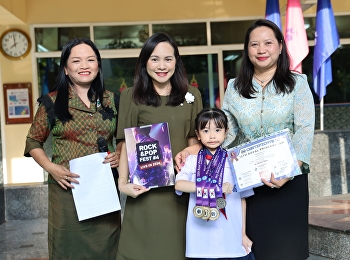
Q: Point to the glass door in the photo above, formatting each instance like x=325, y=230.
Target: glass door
x=202, y=72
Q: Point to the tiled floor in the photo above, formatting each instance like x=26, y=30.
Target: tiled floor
x=329, y=219
x=23, y=239
x=331, y=212
x=27, y=239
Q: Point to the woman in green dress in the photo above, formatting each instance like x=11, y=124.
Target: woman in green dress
x=154, y=219
x=77, y=113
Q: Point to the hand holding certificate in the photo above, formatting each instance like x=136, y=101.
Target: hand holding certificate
x=96, y=193
x=259, y=158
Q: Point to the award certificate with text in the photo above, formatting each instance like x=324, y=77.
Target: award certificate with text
x=259, y=158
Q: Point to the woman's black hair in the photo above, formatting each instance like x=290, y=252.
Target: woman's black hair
x=283, y=79
x=208, y=114
x=63, y=82
x=144, y=92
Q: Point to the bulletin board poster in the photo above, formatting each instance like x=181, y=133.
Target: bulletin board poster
x=18, y=103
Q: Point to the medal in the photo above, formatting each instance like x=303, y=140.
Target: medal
x=220, y=203
x=206, y=212
x=198, y=211
x=214, y=214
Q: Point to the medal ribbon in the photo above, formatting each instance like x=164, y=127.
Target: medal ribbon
x=217, y=176
x=203, y=177
x=205, y=189
x=219, y=173
x=200, y=178
x=218, y=190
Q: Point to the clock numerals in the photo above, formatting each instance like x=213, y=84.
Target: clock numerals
x=17, y=54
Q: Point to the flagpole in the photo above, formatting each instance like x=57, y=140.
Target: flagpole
x=321, y=114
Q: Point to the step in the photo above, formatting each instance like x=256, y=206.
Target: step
x=329, y=226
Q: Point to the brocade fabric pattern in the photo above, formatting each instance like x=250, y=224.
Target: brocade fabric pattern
x=269, y=112
x=78, y=137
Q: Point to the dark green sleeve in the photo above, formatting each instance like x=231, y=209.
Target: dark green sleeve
x=124, y=112
x=197, y=107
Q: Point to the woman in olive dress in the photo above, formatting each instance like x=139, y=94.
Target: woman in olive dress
x=154, y=219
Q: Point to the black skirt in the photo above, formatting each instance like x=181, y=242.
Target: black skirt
x=277, y=221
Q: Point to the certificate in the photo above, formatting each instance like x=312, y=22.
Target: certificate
x=96, y=193
x=259, y=158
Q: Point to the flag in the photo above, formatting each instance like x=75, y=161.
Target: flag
x=295, y=35
x=272, y=12
x=326, y=42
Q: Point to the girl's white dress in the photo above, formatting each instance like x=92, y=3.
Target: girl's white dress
x=221, y=238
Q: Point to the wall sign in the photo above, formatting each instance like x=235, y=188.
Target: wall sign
x=18, y=103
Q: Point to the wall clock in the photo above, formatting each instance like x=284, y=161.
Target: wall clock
x=15, y=44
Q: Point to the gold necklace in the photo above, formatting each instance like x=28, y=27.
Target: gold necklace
x=262, y=81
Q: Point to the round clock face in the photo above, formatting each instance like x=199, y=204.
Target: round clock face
x=15, y=44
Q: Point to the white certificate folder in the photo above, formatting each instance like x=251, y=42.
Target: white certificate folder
x=259, y=158
x=96, y=194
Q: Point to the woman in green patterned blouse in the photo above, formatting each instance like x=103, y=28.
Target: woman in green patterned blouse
x=77, y=112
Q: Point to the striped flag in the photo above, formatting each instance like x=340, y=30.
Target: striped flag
x=272, y=12
x=295, y=35
x=326, y=42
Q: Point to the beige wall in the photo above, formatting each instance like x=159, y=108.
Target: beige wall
x=78, y=11
x=22, y=13
x=15, y=7
x=13, y=135
x=46, y=11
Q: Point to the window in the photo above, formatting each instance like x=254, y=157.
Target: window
x=185, y=34
x=53, y=39
x=202, y=73
x=232, y=32
x=341, y=21
x=118, y=73
x=47, y=73
x=120, y=37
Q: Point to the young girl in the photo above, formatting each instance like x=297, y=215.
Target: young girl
x=215, y=226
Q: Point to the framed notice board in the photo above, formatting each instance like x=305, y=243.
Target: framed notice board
x=18, y=103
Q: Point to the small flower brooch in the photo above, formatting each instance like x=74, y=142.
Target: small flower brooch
x=189, y=98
